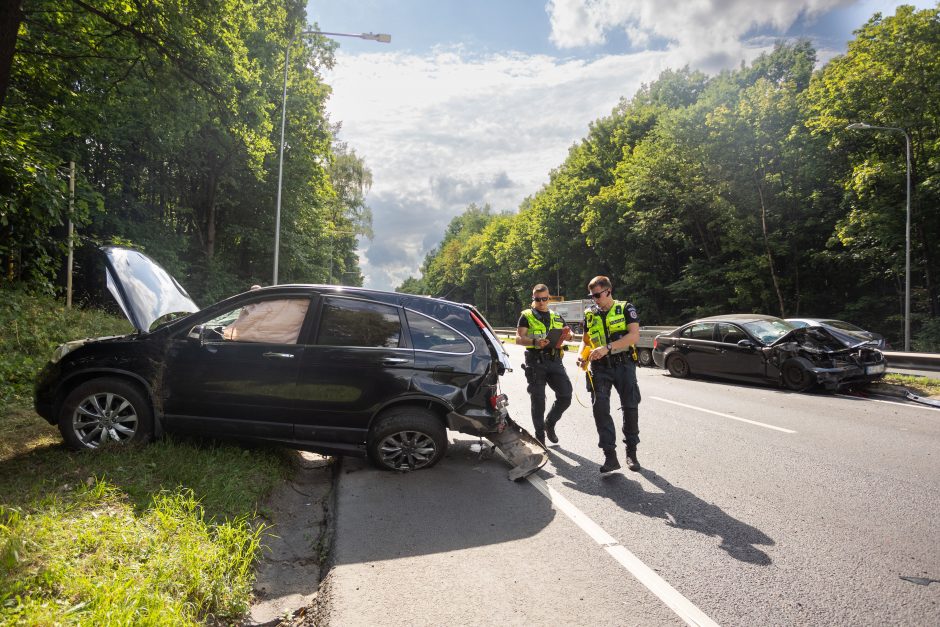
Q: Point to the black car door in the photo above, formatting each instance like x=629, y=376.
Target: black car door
x=697, y=344
x=735, y=361
x=357, y=360
x=236, y=374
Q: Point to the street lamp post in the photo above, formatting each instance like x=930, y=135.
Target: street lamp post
x=380, y=37
x=862, y=126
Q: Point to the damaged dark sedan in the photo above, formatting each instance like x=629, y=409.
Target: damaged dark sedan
x=330, y=369
x=757, y=348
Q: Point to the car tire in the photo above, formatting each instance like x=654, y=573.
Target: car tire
x=645, y=357
x=677, y=366
x=796, y=376
x=105, y=410
x=407, y=438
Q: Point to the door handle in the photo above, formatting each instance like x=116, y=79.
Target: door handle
x=280, y=355
x=394, y=360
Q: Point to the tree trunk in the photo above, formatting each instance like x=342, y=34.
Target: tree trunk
x=10, y=18
x=770, y=257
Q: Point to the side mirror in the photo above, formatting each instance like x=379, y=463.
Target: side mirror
x=746, y=344
x=195, y=333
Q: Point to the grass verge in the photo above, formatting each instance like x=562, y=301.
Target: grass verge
x=166, y=534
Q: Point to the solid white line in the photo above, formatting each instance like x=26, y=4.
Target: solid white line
x=718, y=413
x=878, y=400
x=643, y=573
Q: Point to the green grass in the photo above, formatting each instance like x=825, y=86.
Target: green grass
x=922, y=386
x=166, y=534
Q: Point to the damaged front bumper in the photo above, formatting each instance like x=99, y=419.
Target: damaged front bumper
x=842, y=376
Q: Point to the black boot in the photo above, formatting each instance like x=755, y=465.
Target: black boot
x=632, y=462
x=550, y=431
x=610, y=460
x=540, y=436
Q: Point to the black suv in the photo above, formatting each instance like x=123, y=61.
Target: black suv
x=330, y=369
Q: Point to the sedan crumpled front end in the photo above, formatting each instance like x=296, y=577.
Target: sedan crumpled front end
x=834, y=359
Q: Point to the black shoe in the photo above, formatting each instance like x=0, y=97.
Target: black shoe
x=632, y=462
x=610, y=460
x=550, y=432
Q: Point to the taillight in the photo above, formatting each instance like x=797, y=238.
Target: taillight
x=499, y=401
x=655, y=343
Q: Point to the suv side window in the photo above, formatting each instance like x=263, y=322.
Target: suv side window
x=349, y=322
x=433, y=335
x=701, y=331
x=275, y=321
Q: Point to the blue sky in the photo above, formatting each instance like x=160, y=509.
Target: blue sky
x=476, y=101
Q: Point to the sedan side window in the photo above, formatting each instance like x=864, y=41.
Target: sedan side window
x=349, y=322
x=700, y=331
x=433, y=335
x=730, y=334
x=268, y=321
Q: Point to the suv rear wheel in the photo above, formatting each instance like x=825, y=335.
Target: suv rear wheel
x=103, y=411
x=407, y=438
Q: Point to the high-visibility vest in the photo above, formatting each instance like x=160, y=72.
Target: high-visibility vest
x=616, y=324
x=537, y=330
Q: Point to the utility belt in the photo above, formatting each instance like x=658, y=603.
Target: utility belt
x=609, y=361
x=539, y=356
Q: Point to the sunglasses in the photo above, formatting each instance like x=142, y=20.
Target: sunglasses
x=598, y=294
x=540, y=299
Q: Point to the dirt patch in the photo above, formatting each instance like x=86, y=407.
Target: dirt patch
x=295, y=550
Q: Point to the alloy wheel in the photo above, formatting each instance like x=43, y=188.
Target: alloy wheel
x=103, y=417
x=407, y=450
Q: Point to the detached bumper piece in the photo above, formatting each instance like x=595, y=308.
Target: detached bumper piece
x=521, y=450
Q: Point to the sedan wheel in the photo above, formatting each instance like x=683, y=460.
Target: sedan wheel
x=678, y=366
x=796, y=376
x=645, y=357
x=105, y=410
x=409, y=438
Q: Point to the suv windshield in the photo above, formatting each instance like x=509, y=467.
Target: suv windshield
x=768, y=331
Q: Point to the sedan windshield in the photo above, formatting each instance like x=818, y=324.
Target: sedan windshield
x=768, y=331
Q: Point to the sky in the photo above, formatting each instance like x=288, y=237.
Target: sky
x=476, y=101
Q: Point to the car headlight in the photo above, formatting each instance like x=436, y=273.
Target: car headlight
x=64, y=349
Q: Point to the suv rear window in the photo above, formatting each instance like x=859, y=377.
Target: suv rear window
x=433, y=335
x=348, y=322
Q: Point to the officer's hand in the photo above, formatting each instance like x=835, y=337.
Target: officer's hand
x=598, y=353
x=543, y=343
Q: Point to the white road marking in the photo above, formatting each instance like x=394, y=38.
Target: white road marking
x=718, y=413
x=878, y=400
x=643, y=573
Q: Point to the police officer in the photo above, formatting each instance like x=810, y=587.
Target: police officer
x=614, y=328
x=543, y=363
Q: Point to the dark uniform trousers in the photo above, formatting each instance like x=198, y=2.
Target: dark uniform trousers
x=617, y=372
x=546, y=368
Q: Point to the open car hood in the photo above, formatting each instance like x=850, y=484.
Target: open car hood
x=143, y=289
x=823, y=338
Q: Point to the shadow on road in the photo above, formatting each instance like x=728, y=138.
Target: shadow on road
x=465, y=501
x=677, y=507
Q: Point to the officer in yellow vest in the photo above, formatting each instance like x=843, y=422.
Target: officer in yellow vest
x=614, y=328
x=543, y=363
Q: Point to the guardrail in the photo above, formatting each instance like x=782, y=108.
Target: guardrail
x=912, y=361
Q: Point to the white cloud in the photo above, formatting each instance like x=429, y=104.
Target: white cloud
x=447, y=129
x=710, y=34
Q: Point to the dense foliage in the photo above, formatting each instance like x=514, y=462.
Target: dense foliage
x=738, y=192
x=171, y=111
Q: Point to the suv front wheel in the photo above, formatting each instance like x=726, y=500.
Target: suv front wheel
x=407, y=438
x=103, y=411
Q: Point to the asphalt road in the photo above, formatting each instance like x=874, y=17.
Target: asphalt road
x=756, y=506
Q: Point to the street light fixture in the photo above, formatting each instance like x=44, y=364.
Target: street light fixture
x=379, y=37
x=862, y=126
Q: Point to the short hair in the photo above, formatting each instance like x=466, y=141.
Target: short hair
x=539, y=287
x=600, y=281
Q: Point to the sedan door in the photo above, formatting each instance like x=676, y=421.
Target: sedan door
x=358, y=360
x=696, y=342
x=236, y=374
x=734, y=361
